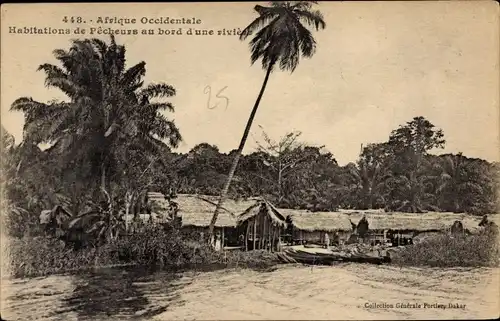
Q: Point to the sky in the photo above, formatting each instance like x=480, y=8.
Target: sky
x=377, y=66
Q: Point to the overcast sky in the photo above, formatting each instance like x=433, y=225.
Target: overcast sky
x=377, y=66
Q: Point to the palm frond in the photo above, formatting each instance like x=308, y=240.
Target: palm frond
x=65, y=58
x=8, y=140
x=306, y=41
x=134, y=74
x=56, y=77
x=312, y=18
x=260, y=45
x=266, y=16
x=27, y=105
x=158, y=90
x=166, y=129
x=100, y=45
x=303, y=5
x=161, y=106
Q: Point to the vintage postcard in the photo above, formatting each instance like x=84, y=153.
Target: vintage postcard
x=250, y=160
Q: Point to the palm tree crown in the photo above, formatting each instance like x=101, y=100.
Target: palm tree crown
x=108, y=107
x=282, y=37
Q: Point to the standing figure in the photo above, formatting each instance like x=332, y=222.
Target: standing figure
x=327, y=241
x=218, y=241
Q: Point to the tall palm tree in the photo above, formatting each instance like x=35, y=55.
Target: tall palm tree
x=281, y=41
x=413, y=191
x=451, y=171
x=370, y=178
x=108, y=109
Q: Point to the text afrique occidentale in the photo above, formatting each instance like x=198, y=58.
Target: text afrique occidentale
x=148, y=20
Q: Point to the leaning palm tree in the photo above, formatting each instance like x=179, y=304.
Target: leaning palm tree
x=281, y=41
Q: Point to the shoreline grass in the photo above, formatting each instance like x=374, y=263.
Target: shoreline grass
x=156, y=248
x=451, y=251
x=169, y=250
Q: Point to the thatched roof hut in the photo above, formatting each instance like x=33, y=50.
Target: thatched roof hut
x=197, y=210
x=431, y=221
x=262, y=224
x=401, y=223
x=262, y=206
x=318, y=221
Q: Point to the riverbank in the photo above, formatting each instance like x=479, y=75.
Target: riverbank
x=290, y=292
x=40, y=256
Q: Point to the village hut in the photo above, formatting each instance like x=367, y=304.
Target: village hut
x=471, y=223
x=317, y=227
x=196, y=211
x=402, y=228
x=261, y=226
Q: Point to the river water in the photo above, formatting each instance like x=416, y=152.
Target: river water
x=345, y=291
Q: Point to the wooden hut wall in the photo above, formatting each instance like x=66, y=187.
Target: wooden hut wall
x=318, y=237
x=228, y=236
x=261, y=233
x=309, y=236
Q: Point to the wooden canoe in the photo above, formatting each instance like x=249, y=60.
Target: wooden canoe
x=298, y=256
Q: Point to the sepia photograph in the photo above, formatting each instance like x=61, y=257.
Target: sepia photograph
x=283, y=160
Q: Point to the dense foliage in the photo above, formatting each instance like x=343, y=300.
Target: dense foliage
x=112, y=139
x=452, y=251
x=391, y=175
x=106, y=140
x=295, y=176
x=156, y=247
x=101, y=166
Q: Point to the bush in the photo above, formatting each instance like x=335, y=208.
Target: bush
x=161, y=247
x=452, y=251
x=38, y=256
x=156, y=247
x=169, y=248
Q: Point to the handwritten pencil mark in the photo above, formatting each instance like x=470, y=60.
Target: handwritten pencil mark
x=208, y=90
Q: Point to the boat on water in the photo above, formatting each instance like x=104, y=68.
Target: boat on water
x=325, y=257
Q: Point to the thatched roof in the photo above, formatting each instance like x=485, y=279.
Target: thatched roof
x=318, y=221
x=431, y=221
x=262, y=205
x=349, y=211
x=224, y=219
x=393, y=222
x=197, y=210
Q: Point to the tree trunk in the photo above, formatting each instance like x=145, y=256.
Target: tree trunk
x=280, y=173
x=254, y=231
x=238, y=153
x=103, y=177
x=246, y=236
x=106, y=193
x=128, y=204
x=370, y=201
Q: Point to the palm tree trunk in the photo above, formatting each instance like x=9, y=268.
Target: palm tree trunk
x=103, y=177
x=238, y=153
x=280, y=196
x=128, y=205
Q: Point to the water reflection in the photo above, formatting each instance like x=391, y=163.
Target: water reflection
x=122, y=293
x=104, y=294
